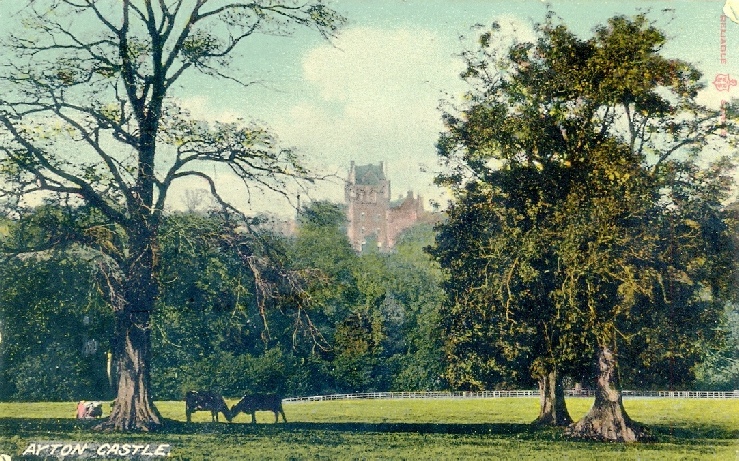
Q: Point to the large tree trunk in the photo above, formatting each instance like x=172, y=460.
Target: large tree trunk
x=553, y=409
x=133, y=408
x=607, y=419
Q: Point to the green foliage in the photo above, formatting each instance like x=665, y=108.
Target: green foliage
x=721, y=368
x=582, y=217
x=377, y=310
x=232, y=375
x=53, y=321
x=348, y=323
x=321, y=244
x=57, y=373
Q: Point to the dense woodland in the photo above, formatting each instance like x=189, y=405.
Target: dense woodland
x=240, y=310
x=363, y=322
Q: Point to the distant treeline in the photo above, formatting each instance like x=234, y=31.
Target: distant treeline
x=242, y=308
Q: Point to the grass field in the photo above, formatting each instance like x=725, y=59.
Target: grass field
x=398, y=429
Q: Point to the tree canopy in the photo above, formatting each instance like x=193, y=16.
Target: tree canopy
x=217, y=323
x=577, y=171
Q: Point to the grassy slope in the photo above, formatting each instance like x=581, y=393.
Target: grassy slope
x=399, y=429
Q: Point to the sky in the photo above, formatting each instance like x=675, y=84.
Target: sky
x=372, y=94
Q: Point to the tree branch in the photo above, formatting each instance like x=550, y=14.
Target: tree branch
x=82, y=188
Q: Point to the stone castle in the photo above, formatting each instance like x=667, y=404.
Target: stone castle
x=372, y=218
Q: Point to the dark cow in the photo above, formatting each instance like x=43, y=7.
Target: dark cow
x=206, y=401
x=95, y=409
x=259, y=402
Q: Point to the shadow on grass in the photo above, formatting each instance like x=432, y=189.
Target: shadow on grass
x=33, y=427
x=30, y=428
x=45, y=426
x=400, y=428
x=693, y=432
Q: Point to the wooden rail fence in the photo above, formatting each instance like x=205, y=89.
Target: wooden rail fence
x=514, y=393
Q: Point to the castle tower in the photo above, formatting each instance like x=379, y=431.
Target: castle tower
x=367, y=194
x=402, y=215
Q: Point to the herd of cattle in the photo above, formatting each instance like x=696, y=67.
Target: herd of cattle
x=214, y=402
x=207, y=401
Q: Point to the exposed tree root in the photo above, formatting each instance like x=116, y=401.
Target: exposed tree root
x=607, y=419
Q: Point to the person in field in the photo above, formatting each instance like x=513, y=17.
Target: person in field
x=81, y=410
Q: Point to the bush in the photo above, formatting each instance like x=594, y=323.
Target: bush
x=57, y=374
x=235, y=375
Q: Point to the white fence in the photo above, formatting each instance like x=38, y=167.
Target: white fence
x=516, y=393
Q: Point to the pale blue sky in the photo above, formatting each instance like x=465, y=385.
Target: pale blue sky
x=373, y=95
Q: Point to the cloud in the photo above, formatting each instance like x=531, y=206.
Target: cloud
x=371, y=95
x=202, y=108
x=377, y=72
x=376, y=98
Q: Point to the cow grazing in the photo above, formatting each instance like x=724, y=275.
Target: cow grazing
x=206, y=401
x=95, y=409
x=259, y=402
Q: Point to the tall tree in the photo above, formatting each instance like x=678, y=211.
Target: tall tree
x=576, y=161
x=86, y=113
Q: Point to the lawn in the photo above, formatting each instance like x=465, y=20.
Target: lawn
x=397, y=429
